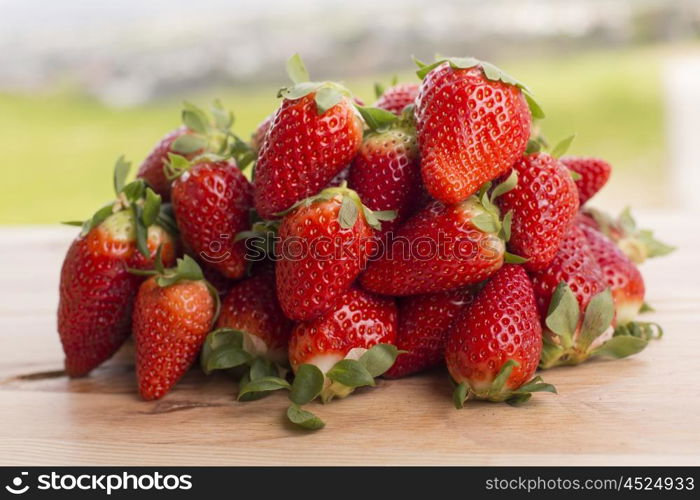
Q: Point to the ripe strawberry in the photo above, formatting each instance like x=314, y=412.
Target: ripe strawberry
x=544, y=202
x=360, y=321
x=397, y=97
x=473, y=122
x=424, y=322
x=494, y=345
x=620, y=274
x=197, y=135
x=211, y=201
x=97, y=291
x=638, y=244
x=439, y=248
x=314, y=134
x=174, y=311
x=593, y=173
x=251, y=306
x=386, y=171
x=256, y=141
x=573, y=264
x=324, y=243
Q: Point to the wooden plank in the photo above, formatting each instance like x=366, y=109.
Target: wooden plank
x=643, y=410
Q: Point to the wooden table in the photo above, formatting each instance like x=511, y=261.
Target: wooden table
x=643, y=410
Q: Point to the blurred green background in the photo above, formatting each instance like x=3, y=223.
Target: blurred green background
x=59, y=142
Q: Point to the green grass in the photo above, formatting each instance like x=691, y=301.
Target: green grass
x=58, y=149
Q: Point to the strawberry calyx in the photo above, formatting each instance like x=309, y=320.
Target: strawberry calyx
x=261, y=237
x=539, y=144
x=380, y=88
x=490, y=71
x=137, y=198
x=497, y=392
x=638, y=244
x=350, y=209
x=211, y=136
x=186, y=269
x=572, y=339
x=327, y=94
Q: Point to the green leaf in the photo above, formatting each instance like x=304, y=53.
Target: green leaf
x=486, y=223
x=627, y=222
x=141, y=231
x=350, y=373
x=303, y=418
x=379, y=358
x=97, y=218
x=537, y=385
x=535, y=108
x=376, y=118
x=459, y=396
x=299, y=90
x=384, y=215
x=505, y=225
x=326, y=98
x=507, y=185
x=533, y=146
x=646, y=307
x=511, y=258
x=121, y=171
x=262, y=367
x=78, y=223
x=188, y=144
x=378, y=90
x=563, y=314
x=347, y=215
x=503, y=375
x=195, y=121
x=562, y=146
x=223, y=118
x=135, y=190
x=151, y=207
x=655, y=248
x=225, y=357
x=519, y=398
x=307, y=385
x=597, y=318
x=187, y=269
x=265, y=384
x=621, y=347
x=296, y=69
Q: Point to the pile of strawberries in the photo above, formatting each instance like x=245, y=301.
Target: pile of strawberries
x=347, y=242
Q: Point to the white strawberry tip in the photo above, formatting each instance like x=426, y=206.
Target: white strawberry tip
x=570, y=339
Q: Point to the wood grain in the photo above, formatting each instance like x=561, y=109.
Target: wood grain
x=644, y=410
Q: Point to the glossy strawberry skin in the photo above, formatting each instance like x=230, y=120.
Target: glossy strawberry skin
x=258, y=138
x=359, y=320
x=310, y=282
x=303, y=151
x=424, y=322
x=211, y=202
x=96, y=293
x=386, y=174
x=594, y=174
x=544, y=204
x=170, y=325
x=397, y=97
x=251, y=306
x=501, y=324
x=620, y=274
x=437, y=249
x=470, y=130
x=151, y=170
x=574, y=264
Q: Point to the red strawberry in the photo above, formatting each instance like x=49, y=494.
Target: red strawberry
x=173, y=313
x=424, y=322
x=258, y=138
x=211, y=201
x=96, y=289
x=638, y=244
x=593, y=172
x=473, y=122
x=494, y=345
x=544, y=202
x=440, y=248
x=573, y=264
x=198, y=135
x=386, y=172
x=360, y=321
x=314, y=134
x=397, y=97
x=620, y=274
x=324, y=243
x=251, y=306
